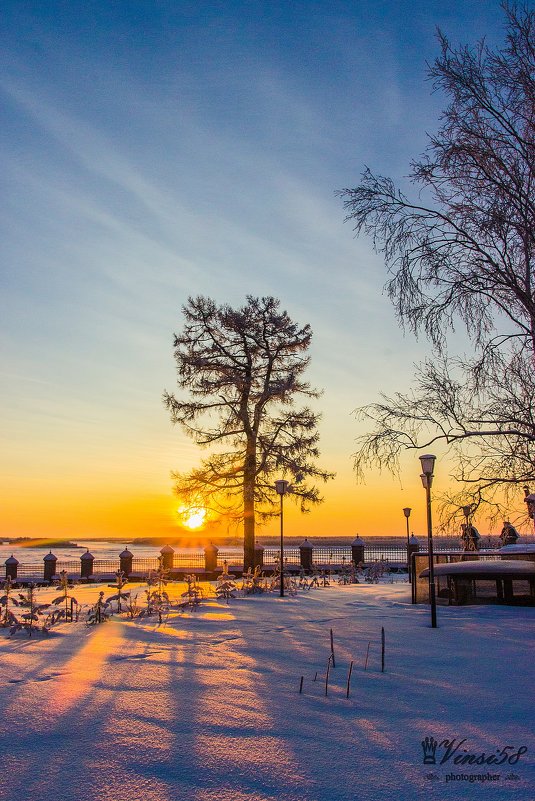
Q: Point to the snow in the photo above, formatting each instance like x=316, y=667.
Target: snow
x=527, y=548
x=500, y=568
x=206, y=706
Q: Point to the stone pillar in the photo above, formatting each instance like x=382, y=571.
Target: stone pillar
x=86, y=564
x=414, y=547
x=357, y=550
x=125, y=561
x=50, y=566
x=210, y=558
x=11, y=567
x=259, y=556
x=167, y=557
x=305, y=554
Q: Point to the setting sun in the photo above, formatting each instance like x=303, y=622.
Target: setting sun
x=192, y=516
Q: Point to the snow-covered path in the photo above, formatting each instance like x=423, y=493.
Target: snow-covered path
x=207, y=705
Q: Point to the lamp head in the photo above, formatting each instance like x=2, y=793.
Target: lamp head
x=282, y=486
x=427, y=479
x=427, y=461
x=407, y=511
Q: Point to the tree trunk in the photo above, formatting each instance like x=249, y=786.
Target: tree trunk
x=249, y=477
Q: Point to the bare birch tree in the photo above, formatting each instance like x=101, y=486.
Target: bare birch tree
x=462, y=250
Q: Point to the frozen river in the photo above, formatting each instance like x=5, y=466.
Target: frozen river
x=100, y=550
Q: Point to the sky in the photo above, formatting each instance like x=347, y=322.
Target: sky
x=157, y=150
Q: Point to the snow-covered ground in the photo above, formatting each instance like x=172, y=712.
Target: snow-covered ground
x=206, y=706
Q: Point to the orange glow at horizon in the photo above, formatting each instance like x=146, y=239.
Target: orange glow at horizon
x=193, y=516
x=92, y=504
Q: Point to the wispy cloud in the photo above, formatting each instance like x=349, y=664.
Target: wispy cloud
x=204, y=163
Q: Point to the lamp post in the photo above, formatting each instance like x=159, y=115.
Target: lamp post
x=282, y=487
x=428, y=465
x=407, y=512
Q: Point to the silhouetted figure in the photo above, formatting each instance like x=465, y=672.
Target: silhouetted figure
x=529, y=498
x=509, y=534
x=470, y=537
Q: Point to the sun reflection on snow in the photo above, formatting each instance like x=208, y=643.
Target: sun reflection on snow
x=86, y=666
x=236, y=730
x=164, y=628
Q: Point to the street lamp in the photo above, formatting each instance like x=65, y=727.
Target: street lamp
x=428, y=465
x=407, y=512
x=282, y=487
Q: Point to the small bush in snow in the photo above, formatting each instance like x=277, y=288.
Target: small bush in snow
x=253, y=581
x=65, y=599
x=132, y=606
x=100, y=612
x=194, y=593
x=225, y=587
x=156, y=598
x=30, y=620
x=120, y=581
x=376, y=571
x=7, y=601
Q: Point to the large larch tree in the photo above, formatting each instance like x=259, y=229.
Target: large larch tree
x=242, y=370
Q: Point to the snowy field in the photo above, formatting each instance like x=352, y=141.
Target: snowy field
x=206, y=706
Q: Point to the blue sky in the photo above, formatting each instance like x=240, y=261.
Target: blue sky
x=156, y=150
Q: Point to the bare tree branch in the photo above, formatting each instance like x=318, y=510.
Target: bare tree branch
x=465, y=254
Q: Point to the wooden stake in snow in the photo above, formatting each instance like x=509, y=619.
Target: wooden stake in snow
x=382, y=649
x=327, y=674
x=349, y=678
x=332, y=649
x=367, y=652
x=301, y=684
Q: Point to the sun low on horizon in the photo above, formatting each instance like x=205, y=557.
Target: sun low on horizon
x=192, y=517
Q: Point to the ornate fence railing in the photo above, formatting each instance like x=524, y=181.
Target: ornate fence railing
x=211, y=560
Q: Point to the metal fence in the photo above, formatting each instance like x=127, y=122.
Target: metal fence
x=33, y=571
x=388, y=553
x=188, y=559
x=230, y=557
x=323, y=556
x=101, y=566
x=292, y=556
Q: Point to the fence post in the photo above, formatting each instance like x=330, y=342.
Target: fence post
x=414, y=547
x=86, y=564
x=11, y=567
x=210, y=558
x=259, y=555
x=125, y=561
x=357, y=551
x=50, y=566
x=167, y=557
x=305, y=554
